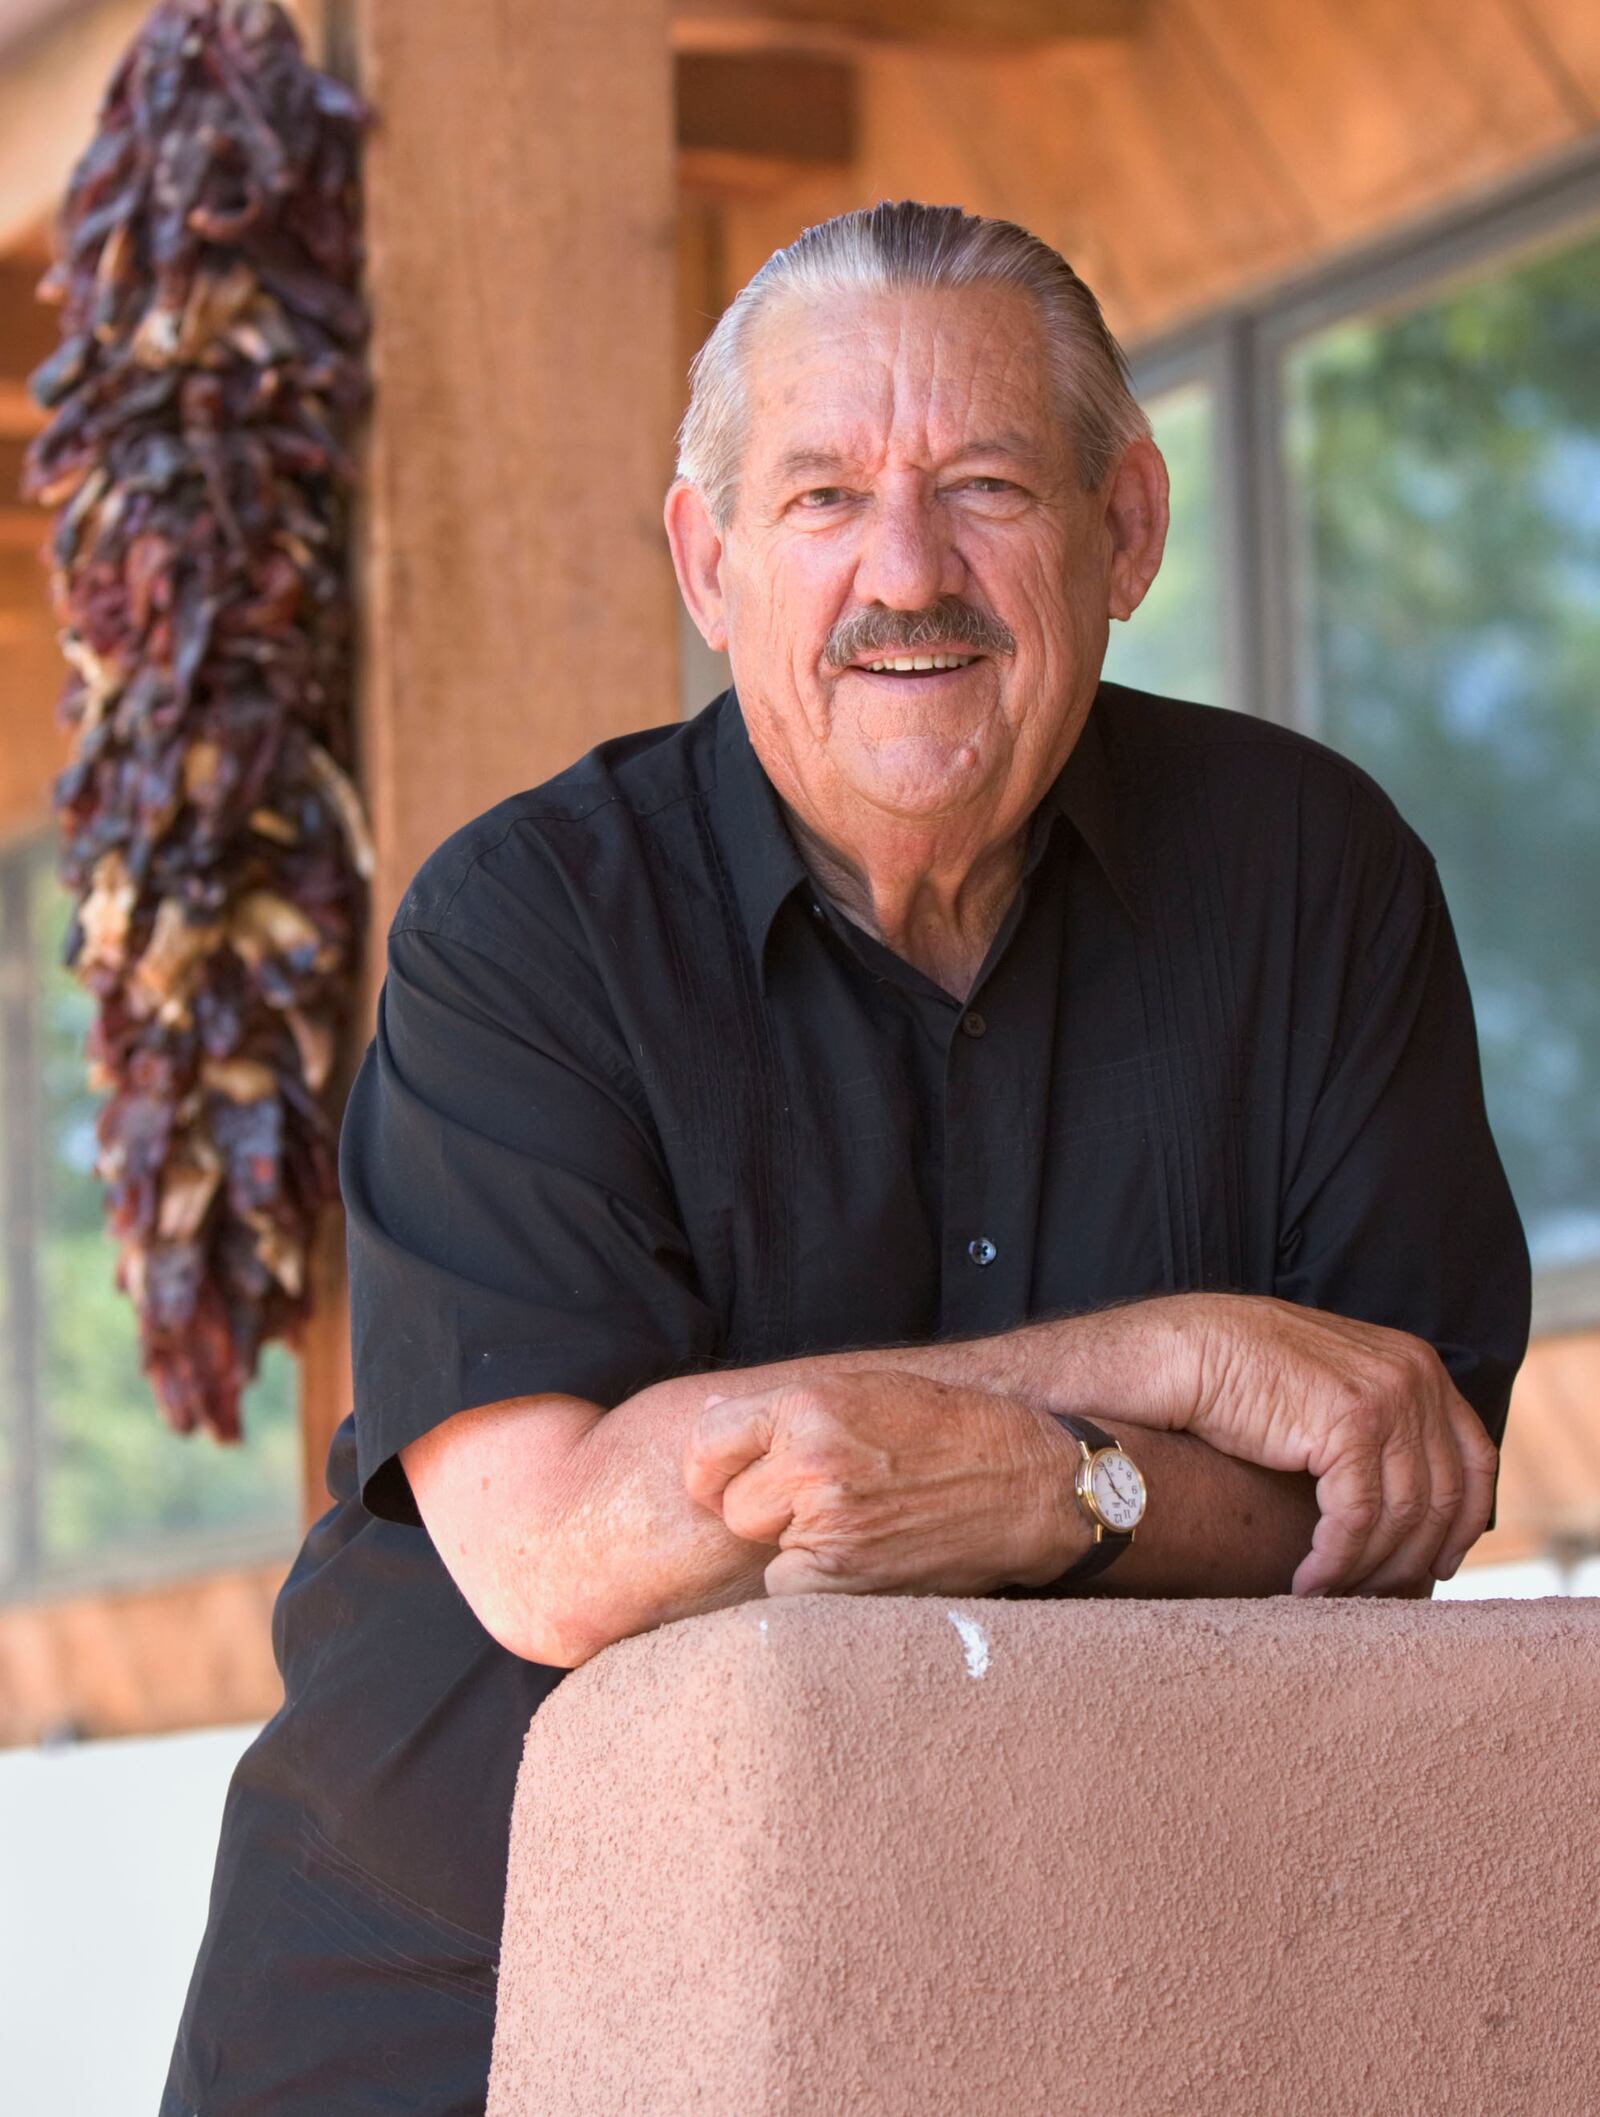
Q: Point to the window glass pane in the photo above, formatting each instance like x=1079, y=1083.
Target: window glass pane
x=1173, y=643
x=1444, y=467
x=116, y=1480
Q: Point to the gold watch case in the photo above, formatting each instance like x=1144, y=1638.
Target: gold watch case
x=1083, y=1486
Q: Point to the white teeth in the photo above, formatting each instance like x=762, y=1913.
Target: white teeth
x=906, y=664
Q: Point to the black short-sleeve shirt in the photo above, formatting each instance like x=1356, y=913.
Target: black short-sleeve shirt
x=640, y=1100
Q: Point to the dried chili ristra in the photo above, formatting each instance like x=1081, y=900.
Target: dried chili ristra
x=198, y=451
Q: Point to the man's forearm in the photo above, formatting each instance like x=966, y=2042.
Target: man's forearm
x=635, y=1551
x=1135, y=1362
x=1213, y=1525
x=646, y=1554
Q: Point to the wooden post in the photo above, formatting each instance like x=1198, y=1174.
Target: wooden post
x=518, y=600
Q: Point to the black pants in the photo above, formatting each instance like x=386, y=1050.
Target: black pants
x=349, y=1958
x=321, y=1992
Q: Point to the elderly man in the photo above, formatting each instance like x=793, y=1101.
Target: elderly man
x=933, y=1122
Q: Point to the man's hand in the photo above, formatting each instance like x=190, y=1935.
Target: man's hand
x=1405, y=1472
x=882, y=1482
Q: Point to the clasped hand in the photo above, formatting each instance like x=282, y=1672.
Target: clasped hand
x=876, y=1481
x=1405, y=1471
x=879, y=1480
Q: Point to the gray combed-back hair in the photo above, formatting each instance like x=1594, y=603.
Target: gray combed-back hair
x=879, y=249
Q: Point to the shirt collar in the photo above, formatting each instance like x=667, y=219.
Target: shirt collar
x=757, y=848
x=765, y=864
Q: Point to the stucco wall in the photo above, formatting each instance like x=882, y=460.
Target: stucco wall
x=901, y=1855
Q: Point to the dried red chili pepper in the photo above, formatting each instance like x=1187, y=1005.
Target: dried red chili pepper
x=208, y=262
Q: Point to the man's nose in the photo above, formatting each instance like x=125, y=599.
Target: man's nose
x=907, y=557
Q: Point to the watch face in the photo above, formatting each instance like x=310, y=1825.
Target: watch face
x=1117, y=1489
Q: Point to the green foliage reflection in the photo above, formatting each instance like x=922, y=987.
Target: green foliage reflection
x=1173, y=642
x=1446, y=469
x=115, y=1482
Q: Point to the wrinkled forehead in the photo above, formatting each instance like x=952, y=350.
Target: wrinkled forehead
x=926, y=373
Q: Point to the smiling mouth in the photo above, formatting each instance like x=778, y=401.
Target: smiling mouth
x=915, y=665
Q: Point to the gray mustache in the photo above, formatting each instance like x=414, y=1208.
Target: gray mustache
x=948, y=623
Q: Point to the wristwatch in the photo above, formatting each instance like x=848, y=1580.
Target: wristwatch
x=1110, y=1490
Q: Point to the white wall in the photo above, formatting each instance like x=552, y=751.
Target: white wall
x=92, y=1982
x=1531, y=1576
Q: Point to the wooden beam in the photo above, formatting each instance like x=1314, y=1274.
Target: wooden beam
x=12, y=450
x=25, y=585
x=26, y=612
x=519, y=598
x=753, y=121
x=22, y=525
x=710, y=178
x=23, y=528
x=20, y=417
x=32, y=678
x=29, y=333
x=30, y=329
x=791, y=105
x=190, y=1653
x=519, y=589
x=996, y=23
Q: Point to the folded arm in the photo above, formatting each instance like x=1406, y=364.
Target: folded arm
x=933, y=1469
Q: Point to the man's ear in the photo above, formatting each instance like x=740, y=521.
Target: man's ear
x=1136, y=521
x=696, y=557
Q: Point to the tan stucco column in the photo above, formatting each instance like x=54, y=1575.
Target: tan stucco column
x=518, y=601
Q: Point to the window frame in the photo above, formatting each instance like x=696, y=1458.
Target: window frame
x=1240, y=349
x=21, y=1107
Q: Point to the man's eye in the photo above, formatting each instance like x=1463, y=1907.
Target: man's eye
x=993, y=484
x=822, y=495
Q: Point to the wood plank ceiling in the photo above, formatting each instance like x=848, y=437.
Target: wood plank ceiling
x=1182, y=151
x=1178, y=151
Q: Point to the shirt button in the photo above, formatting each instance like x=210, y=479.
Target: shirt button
x=981, y=1250
x=973, y=1024
x=816, y=909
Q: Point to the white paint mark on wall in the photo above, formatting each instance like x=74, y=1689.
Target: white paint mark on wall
x=974, y=1643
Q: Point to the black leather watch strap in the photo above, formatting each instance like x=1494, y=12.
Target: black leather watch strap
x=1108, y=1545
x=1085, y=1429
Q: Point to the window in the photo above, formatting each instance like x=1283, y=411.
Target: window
x=1174, y=642
x=1386, y=530
x=93, y=1486
x=1444, y=471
